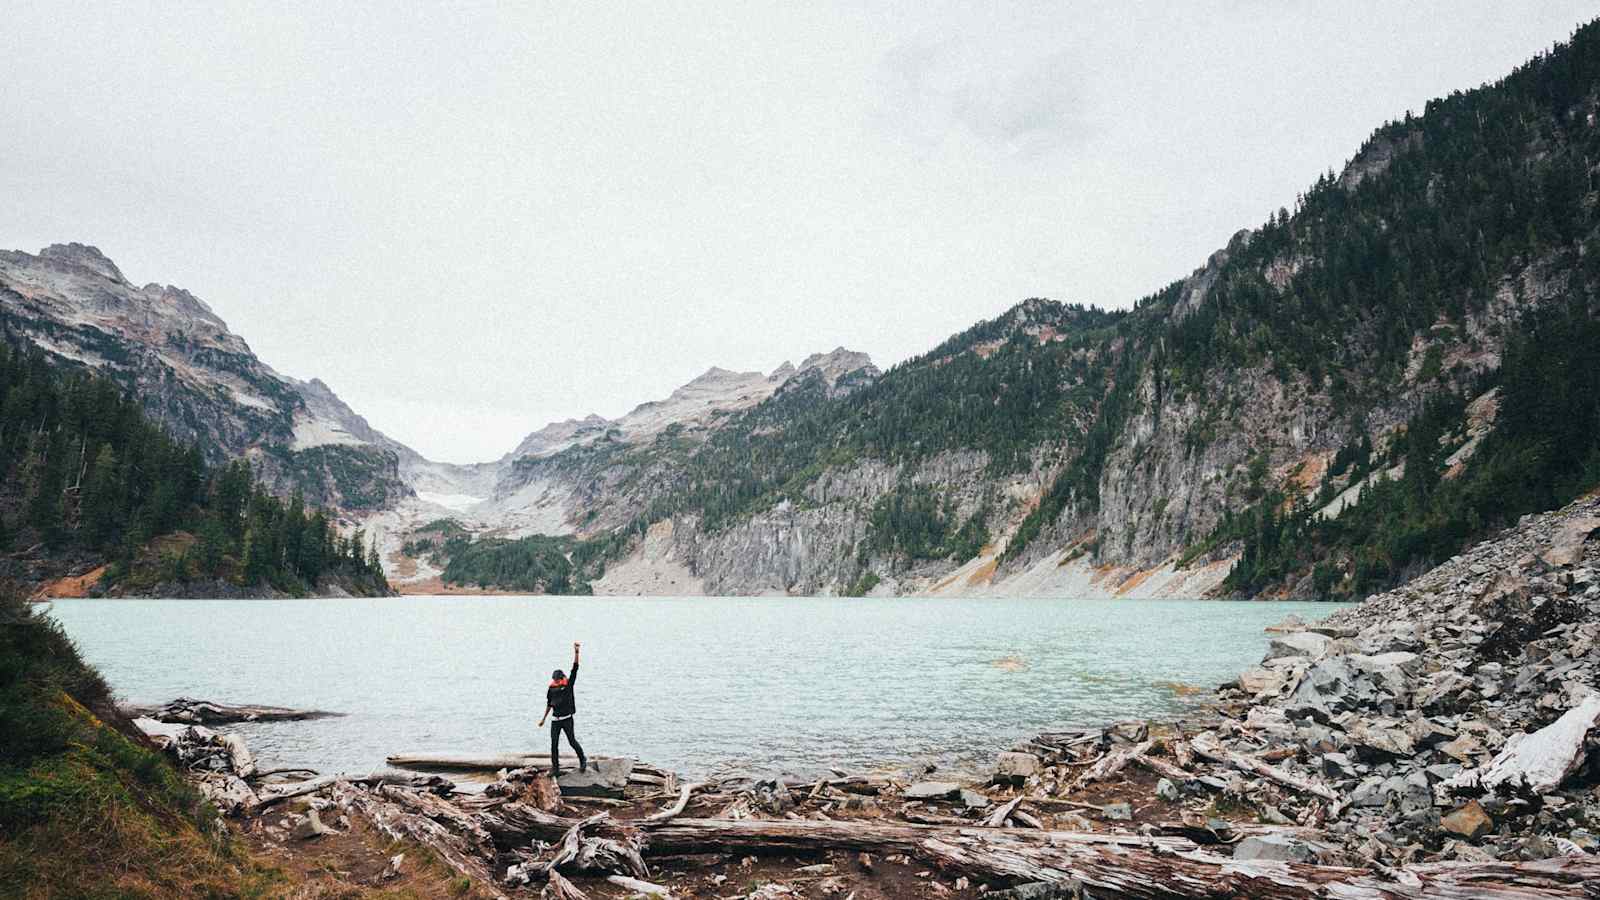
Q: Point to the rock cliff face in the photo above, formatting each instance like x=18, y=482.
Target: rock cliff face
x=195, y=377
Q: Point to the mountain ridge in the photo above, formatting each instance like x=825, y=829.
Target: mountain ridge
x=1322, y=405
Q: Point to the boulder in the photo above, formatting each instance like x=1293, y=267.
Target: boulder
x=1566, y=545
x=973, y=799
x=1468, y=821
x=604, y=778
x=1335, y=685
x=1463, y=749
x=1167, y=791
x=1016, y=767
x=1338, y=765
x=1256, y=682
x=1275, y=847
x=1299, y=643
x=933, y=790
x=310, y=827
x=1376, y=736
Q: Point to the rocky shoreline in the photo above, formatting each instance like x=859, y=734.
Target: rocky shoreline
x=1440, y=739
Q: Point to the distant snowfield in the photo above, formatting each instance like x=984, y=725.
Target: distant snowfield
x=456, y=502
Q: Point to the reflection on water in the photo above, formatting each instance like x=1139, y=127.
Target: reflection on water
x=687, y=683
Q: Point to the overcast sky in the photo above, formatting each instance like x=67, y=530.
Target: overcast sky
x=472, y=220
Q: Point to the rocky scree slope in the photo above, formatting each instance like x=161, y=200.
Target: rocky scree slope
x=1457, y=717
x=197, y=379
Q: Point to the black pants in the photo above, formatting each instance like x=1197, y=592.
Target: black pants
x=556, y=727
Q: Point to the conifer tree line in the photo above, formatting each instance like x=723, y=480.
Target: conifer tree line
x=84, y=473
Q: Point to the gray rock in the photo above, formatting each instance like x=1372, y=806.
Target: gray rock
x=310, y=827
x=604, y=778
x=933, y=790
x=1338, y=765
x=1275, y=847
x=1167, y=791
x=1015, y=768
x=1120, y=812
x=1300, y=643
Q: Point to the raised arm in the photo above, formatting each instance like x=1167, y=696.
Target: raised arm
x=577, y=650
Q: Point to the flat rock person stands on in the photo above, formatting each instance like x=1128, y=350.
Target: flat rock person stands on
x=558, y=699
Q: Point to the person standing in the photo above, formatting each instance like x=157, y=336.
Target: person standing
x=558, y=699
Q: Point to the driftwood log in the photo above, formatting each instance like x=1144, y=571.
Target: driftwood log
x=1159, y=868
x=390, y=814
x=189, y=711
x=562, y=889
x=272, y=794
x=1212, y=750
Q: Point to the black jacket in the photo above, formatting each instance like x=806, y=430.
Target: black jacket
x=560, y=698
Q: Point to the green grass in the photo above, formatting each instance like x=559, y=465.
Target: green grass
x=86, y=810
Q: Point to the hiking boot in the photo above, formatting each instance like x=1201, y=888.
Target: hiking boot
x=583, y=765
x=555, y=774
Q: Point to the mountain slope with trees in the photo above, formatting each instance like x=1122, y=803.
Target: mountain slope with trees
x=86, y=478
x=1345, y=395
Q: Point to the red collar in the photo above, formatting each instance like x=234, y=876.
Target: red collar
x=559, y=684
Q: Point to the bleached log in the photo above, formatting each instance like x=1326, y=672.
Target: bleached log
x=188, y=711
x=1118, y=865
x=564, y=889
x=1542, y=760
x=228, y=793
x=674, y=809
x=997, y=818
x=239, y=755
x=468, y=762
x=491, y=762
x=280, y=793
x=1026, y=819
x=1110, y=764
x=572, y=842
x=639, y=887
x=1216, y=752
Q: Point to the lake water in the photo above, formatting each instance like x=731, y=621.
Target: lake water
x=686, y=683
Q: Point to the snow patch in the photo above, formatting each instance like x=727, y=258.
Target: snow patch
x=454, y=502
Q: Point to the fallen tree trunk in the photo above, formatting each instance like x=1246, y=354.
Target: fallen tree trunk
x=1113, y=762
x=468, y=762
x=313, y=785
x=490, y=762
x=1150, y=868
x=1216, y=752
x=189, y=711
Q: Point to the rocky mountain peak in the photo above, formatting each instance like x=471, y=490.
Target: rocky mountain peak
x=83, y=256
x=838, y=363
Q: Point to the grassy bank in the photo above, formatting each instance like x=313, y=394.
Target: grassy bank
x=86, y=810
